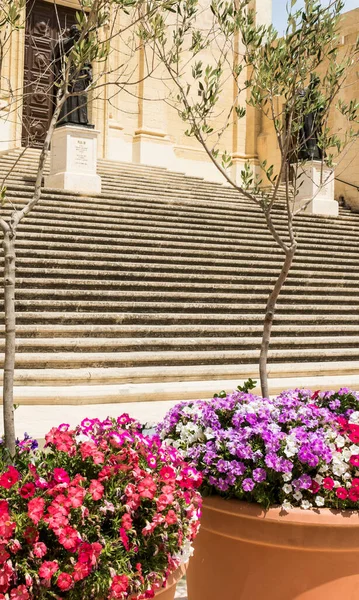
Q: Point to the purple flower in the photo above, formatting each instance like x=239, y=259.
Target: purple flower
x=259, y=475
x=248, y=484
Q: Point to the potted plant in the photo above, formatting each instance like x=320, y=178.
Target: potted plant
x=103, y=512
x=281, y=484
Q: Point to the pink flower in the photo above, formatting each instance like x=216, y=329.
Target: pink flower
x=328, y=483
x=354, y=460
x=9, y=478
x=167, y=474
x=69, y=538
x=4, y=555
x=48, y=568
x=4, y=581
x=147, y=488
x=7, y=527
x=27, y=490
x=341, y=493
x=171, y=517
x=31, y=534
x=89, y=553
x=96, y=489
x=126, y=522
x=61, y=476
x=124, y=538
x=64, y=581
x=15, y=546
x=315, y=487
x=76, y=495
x=354, y=494
x=19, y=593
x=81, y=570
x=119, y=585
x=4, y=507
x=35, y=509
x=124, y=419
x=39, y=549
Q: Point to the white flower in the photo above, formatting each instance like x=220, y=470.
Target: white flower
x=346, y=454
x=209, y=433
x=286, y=506
x=81, y=437
x=319, y=501
x=290, y=450
x=287, y=488
x=306, y=504
x=339, y=466
x=287, y=476
x=340, y=441
x=347, y=476
x=354, y=449
x=354, y=417
x=324, y=468
x=319, y=479
x=298, y=495
x=186, y=552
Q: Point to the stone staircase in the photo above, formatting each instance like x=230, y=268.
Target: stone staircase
x=156, y=289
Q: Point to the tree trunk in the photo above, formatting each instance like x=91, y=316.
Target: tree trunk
x=269, y=316
x=10, y=338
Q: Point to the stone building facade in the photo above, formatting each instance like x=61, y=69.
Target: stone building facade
x=138, y=127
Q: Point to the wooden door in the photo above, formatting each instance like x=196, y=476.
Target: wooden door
x=45, y=22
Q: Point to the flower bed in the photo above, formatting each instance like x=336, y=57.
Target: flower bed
x=299, y=449
x=263, y=462
x=103, y=512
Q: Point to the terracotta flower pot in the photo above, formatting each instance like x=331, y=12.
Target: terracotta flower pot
x=168, y=593
x=245, y=553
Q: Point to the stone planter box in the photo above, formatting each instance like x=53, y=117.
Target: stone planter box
x=245, y=553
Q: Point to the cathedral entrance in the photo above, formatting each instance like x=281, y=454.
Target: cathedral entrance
x=45, y=22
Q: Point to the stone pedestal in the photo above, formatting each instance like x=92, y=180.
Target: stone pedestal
x=73, y=163
x=315, y=185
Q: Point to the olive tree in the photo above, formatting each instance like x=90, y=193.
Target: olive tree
x=288, y=79
x=97, y=25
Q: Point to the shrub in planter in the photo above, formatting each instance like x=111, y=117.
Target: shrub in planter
x=103, y=512
x=281, y=478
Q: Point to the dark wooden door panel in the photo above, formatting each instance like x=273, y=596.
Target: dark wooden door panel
x=44, y=24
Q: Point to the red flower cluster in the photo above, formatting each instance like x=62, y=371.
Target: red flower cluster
x=103, y=505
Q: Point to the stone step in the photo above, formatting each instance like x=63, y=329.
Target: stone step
x=285, y=305
x=39, y=246
x=179, y=344
x=175, y=318
x=296, y=287
x=232, y=374
x=223, y=297
x=187, y=357
x=102, y=237
x=106, y=211
x=62, y=277
x=172, y=260
x=169, y=227
x=45, y=260
x=195, y=332
x=62, y=229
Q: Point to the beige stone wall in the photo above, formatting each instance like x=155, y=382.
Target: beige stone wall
x=348, y=164
x=135, y=122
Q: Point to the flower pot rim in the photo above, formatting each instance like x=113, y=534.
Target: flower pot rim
x=313, y=516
